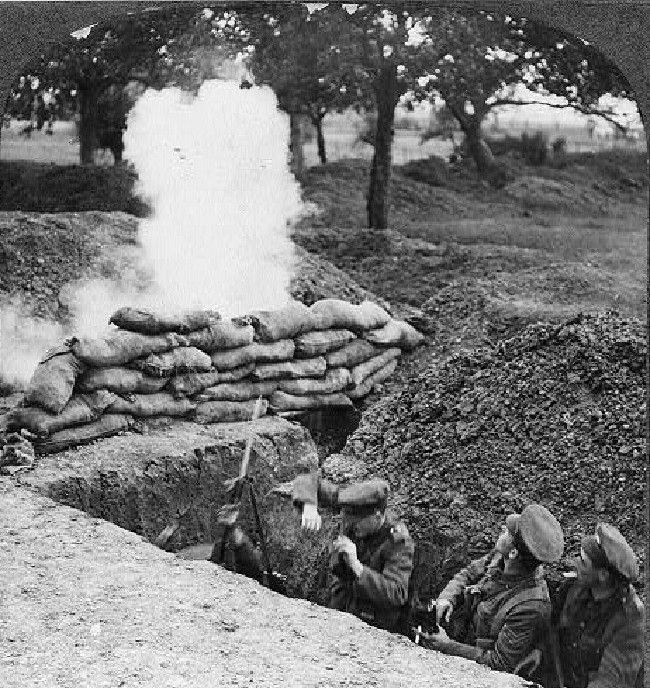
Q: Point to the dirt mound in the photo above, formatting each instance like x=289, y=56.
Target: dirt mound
x=535, y=192
x=555, y=414
x=42, y=253
x=36, y=187
x=315, y=278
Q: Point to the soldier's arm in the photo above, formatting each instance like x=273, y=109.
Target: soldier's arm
x=622, y=657
x=310, y=488
x=471, y=574
x=390, y=586
x=516, y=638
x=513, y=644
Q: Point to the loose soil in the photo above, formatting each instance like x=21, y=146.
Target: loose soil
x=476, y=269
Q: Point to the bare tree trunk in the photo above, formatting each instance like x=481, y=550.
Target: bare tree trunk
x=295, y=146
x=478, y=149
x=88, y=112
x=385, y=92
x=320, y=139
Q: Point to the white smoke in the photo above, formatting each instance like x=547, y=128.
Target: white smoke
x=216, y=169
x=23, y=340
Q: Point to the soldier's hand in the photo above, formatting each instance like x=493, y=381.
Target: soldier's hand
x=346, y=547
x=343, y=545
x=444, y=609
x=311, y=519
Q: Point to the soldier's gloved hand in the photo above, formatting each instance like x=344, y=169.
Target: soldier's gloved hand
x=311, y=519
x=348, y=549
x=444, y=609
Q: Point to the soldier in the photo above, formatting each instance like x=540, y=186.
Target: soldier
x=503, y=595
x=372, y=560
x=600, y=617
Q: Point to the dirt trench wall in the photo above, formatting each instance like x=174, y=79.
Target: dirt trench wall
x=141, y=481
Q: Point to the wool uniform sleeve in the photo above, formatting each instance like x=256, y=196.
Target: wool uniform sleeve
x=390, y=586
x=623, y=655
x=470, y=575
x=517, y=636
x=310, y=488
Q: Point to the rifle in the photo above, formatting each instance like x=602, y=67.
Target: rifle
x=229, y=514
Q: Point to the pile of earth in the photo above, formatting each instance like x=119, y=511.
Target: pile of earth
x=43, y=254
x=555, y=414
x=589, y=183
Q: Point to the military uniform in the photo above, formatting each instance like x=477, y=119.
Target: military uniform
x=507, y=612
x=380, y=594
x=601, y=637
x=508, y=608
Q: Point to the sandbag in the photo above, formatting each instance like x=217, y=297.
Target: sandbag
x=363, y=370
x=284, y=323
x=237, y=391
x=376, y=378
x=317, y=343
x=82, y=408
x=336, y=314
x=52, y=383
x=395, y=333
x=352, y=354
x=281, y=401
x=147, y=405
x=335, y=380
x=282, y=350
x=109, y=424
x=225, y=334
x=186, y=359
x=120, y=380
x=228, y=411
x=120, y=346
x=306, y=367
x=192, y=383
x=145, y=322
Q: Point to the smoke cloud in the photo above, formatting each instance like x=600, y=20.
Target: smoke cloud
x=216, y=170
x=23, y=340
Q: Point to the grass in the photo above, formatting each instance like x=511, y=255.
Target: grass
x=593, y=243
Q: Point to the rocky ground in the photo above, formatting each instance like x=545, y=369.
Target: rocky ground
x=85, y=603
x=495, y=409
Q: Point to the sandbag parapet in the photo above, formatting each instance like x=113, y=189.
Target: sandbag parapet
x=210, y=370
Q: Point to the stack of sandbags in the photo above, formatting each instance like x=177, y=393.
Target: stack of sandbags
x=209, y=370
x=171, y=365
x=51, y=411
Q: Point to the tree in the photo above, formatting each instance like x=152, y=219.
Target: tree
x=154, y=47
x=298, y=54
x=380, y=49
x=477, y=58
x=363, y=57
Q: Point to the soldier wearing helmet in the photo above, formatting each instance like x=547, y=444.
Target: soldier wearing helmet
x=503, y=596
x=600, y=617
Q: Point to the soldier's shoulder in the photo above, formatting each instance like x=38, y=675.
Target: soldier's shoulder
x=633, y=603
x=400, y=533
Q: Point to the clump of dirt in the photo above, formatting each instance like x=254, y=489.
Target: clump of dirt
x=41, y=253
x=39, y=188
x=555, y=414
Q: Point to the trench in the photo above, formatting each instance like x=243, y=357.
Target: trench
x=166, y=484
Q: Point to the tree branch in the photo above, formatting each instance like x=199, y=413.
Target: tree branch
x=562, y=106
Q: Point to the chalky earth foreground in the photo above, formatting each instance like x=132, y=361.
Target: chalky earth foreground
x=87, y=603
x=507, y=264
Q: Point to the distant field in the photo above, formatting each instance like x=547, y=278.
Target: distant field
x=39, y=146
x=341, y=140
